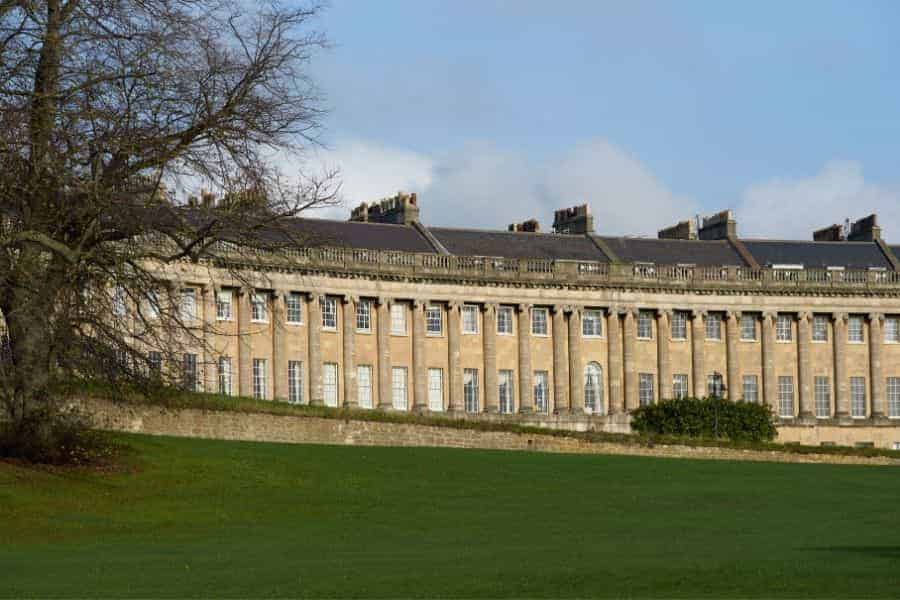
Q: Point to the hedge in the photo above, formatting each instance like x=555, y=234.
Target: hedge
x=706, y=418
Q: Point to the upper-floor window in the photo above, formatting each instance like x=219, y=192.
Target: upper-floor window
x=469, y=318
x=748, y=328
x=505, y=320
x=539, y=321
x=258, y=308
x=820, y=328
x=592, y=323
x=892, y=330
x=856, y=329
x=434, y=320
x=223, y=305
x=329, y=313
x=364, y=316
x=398, y=318
x=294, y=308
x=713, y=324
x=645, y=325
x=119, y=301
x=152, y=304
x=188, y=305
x=679, y=325
x=783, y=328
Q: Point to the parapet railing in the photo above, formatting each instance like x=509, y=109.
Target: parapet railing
x=558, y=271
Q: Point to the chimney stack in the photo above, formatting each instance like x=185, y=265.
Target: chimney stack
x=529, y=226
x=720, y=226
x=400, y=209
x=575, y=220
x=683, y=230
x=865, y=230
x=832, y=233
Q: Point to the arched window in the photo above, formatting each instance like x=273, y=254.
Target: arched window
x=593, y=389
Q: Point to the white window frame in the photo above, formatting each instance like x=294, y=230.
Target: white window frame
x=468, y=319
x=786, y=396
x=330, y=384
x=190, y=374
x=892, y=330
x=680, y=386
x=505, y=320
x=435, y=389
x=295, y=381
x=398, y=318
x=541, y=387
x=259, y=312
x=678, y=328
x=748, y=322
x=784, y=328
x=592, y=323
x=431, y=311
x=820, y=329
x=540, y=321
x=225, y=376
x=593, y=389
x=399, y=396
x=750, y=388
x=893, y=397
x=822, y=395
x=644, y=325
x=329, y=313
x=364, y=386
x=858, y=397
x=187, y=305
x=714, y=380
x=293, y=308
x=856, y=330
x=712, y=324
x=506, y=394
x=259, y=378
x=364, y=316
x=224, y=299
x=471, y=400
x=646, y=395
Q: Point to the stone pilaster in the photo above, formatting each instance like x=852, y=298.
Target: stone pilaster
x=804, y=366
x=576, y=361
x=526, y=401
x=489, y=340
x=314, y=352
x=208, y=320
x=698, y=362
x=420, y=373
x=841, y=384
x=454, y=360
x=770, y=385
x=348, y=340
x=560, y=365
x=615, y=360
x=877, y=382
x=664, y=363
x=279, y=346
x=383, y=339
x=733, y=363
x=628, y=359
x=244, y=327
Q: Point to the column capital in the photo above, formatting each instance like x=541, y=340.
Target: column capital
x=769, y=315
x=840, y=316
x=418, y=303
x=876, y=316
x=489, y=307
x=384, y=301
x=804, y=316
x=454, y=304
x=525, y=307
x=629, y=310
x=350, y=299
x=665, y=312
x=733, y=314
x=698, y=313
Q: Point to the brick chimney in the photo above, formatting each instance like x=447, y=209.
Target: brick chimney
x=832, y=233
x=865, y=230
x=720, y=226
x=575, y=220
x=683, y=230
x=529, y=226
x=400, y=209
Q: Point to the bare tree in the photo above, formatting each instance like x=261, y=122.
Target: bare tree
x=104, y=105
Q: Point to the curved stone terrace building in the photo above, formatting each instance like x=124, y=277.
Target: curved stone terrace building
x=566, y=329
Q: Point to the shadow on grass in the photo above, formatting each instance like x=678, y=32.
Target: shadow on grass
x=889, y=552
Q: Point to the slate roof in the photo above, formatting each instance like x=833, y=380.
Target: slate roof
x=674, y=252
x=511, y=244
x=351, y=234
x=817, y=255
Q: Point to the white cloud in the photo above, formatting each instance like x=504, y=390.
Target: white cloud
x=794, y=208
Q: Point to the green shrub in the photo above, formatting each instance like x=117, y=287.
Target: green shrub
x=56, y=438
x=706, y=418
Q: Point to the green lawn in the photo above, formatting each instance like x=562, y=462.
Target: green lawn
x=242, y=519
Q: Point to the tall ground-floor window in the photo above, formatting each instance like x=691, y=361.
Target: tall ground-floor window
x=435, y=390
x=225, y=375
x=398, y=388
x=593, y=388
x=786, y=396
x=189, y=372
x=858, y=397
x=295, y=382
x=505, y=390
x=751, y=388
x=893, y=397
x=541, y=391
x=645, y=389
x=330, y=384
x=259, y=378
x=823, y=396
x=470, y=390
x=364, y=386
x=679, y=385
x=714, y=385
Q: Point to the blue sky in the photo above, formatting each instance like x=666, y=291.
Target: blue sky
x=788, y=112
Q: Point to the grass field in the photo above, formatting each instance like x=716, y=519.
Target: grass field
x=228, y=519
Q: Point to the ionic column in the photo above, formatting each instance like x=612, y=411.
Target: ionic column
x=314, y=351
x=664, y=363
x=245, y=361
x=420, y=376
x=348, y=339
x=628, y=363
x=560, y=366
x=383, y=339
x=576, y=362
x=279, y=346
x=614, y=363
x=841, y=384
x=698, y=367
x=770, y=387
x=526, y=404
x=877, y=383
x=454, y=362
x=208, y=320
x=804, y=366
x=733, y=365
x=489, y=339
